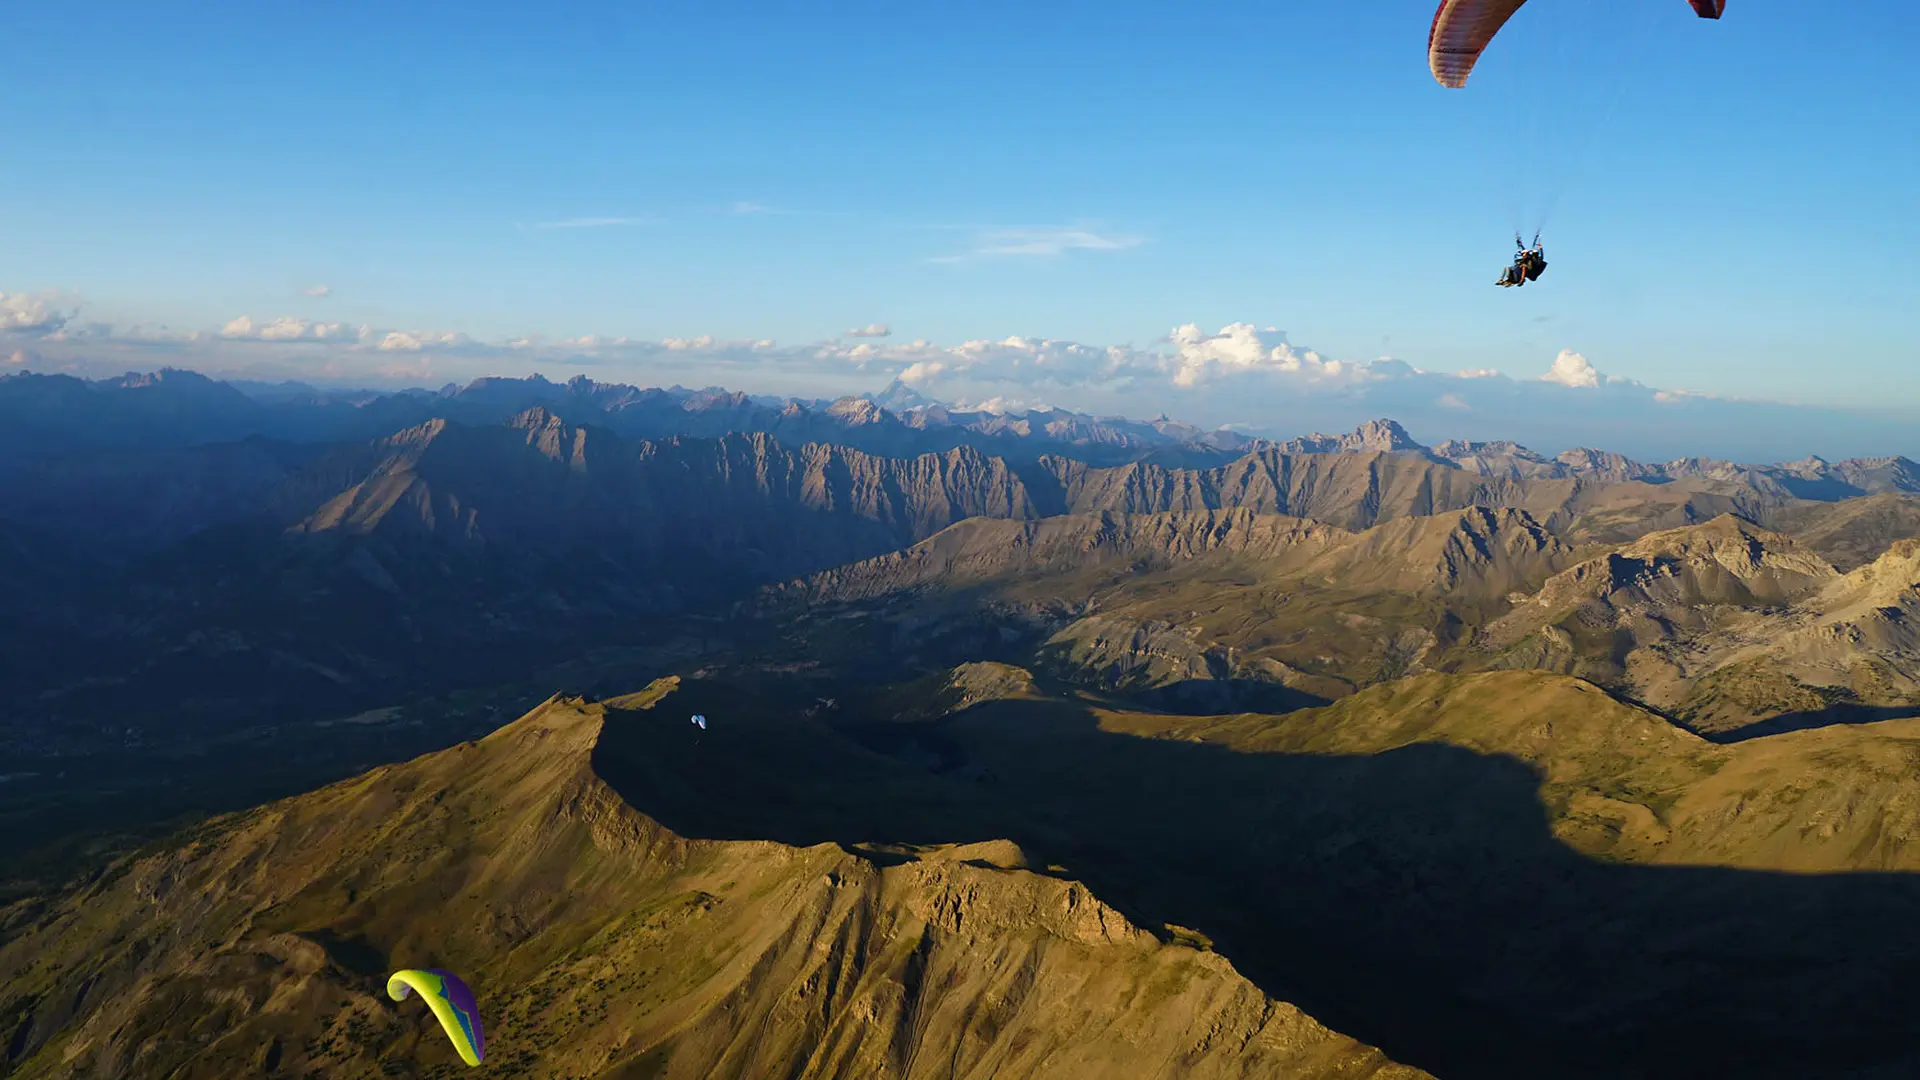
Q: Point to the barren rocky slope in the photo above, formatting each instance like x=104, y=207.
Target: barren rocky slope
x=1506, y=874
x=1731, y=628
x=602, y=944
x=1178, y=599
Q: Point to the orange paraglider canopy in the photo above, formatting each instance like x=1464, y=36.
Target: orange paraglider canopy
x=1462, y=30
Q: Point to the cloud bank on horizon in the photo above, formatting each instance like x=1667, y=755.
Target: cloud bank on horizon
x=1245, y=377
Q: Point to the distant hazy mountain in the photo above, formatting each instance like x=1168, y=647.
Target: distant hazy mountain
x=1810, y=478
x=324, y=574
x=51, y=415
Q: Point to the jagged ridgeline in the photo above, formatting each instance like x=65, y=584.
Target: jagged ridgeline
x=260, y=583
x=325, y=580
x=1731, y=629
x=1482, y=757
x=1480, y=873
x=602, y=943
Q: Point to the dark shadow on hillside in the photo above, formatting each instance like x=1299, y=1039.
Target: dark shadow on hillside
x=1414, y=899
x=1215, y=697
x=1813, y=718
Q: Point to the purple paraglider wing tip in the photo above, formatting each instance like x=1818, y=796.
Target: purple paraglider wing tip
x=461, y=998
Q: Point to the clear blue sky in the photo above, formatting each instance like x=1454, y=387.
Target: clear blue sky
x=1289, y=164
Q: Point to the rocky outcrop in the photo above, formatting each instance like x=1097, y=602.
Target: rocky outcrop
x=977, y=551
x=1737, y=631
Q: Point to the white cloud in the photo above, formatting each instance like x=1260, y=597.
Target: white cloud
x=1572, y=369
x=1240, y=373
x=870, y=330
x=418, y=341
x=1043, y=242
x=317, y=291
x=744, y=207
x=1676, y=397
x=22, y=313
x=587, y=342
x=1001, y=406
x=921, y=371
x=709, y=343
x=1241, y=348
x=288, y=328
x=592, y=223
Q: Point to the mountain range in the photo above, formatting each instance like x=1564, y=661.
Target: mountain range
x=1035, y=737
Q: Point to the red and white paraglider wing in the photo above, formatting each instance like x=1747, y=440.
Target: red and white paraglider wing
x=1462, y=29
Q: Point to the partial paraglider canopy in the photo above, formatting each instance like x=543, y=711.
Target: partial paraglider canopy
x=452, y=1004
x=1462, y=30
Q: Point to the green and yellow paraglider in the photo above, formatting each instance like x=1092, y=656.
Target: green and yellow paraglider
x=450, y=1001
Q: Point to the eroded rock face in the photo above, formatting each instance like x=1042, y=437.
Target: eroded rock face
x=1731, y=627
x=980, y=551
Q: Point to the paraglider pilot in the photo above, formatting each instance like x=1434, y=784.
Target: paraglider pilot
x=1528, y=264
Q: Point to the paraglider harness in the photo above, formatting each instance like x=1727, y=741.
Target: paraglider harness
x=1528, y=263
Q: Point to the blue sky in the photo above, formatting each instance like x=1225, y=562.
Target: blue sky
x=1093, y=173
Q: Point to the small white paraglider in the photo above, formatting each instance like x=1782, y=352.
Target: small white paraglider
x=699, y=721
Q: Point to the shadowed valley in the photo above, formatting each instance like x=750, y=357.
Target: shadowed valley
x=1125, y=752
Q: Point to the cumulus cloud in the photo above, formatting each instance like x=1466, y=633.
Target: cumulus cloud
x=419, y=341
x=1254, y=377
x=1043, y=242
x=870, y=330
x=317, y=291
x=921, y=371
x=1041, y=360
x=288, y=328
x=1195, y=357
x=1572, y=369
x=1241, y=348
x=23, y=313
x=587, y=342
x=709, y=343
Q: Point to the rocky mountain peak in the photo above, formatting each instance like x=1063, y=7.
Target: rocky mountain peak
x=1374, y=436
x=1455, y=449
x=535, y=418
x=899, y=397
x=1385, y=436
x=858, y=412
